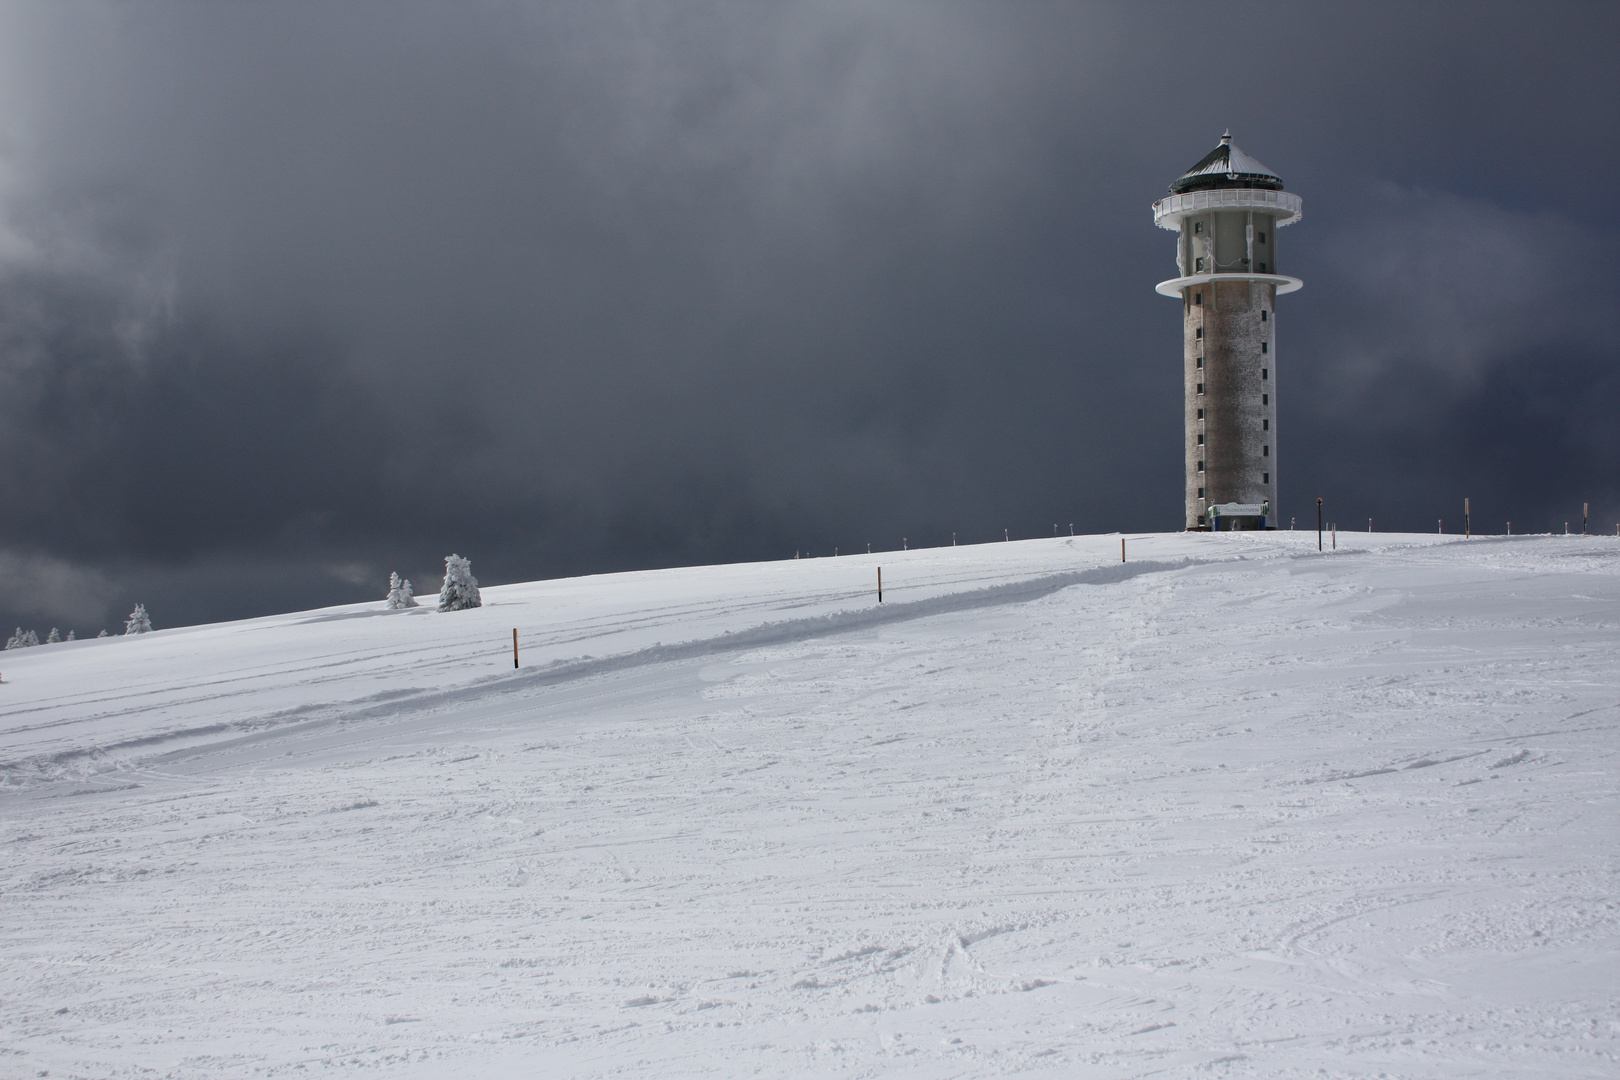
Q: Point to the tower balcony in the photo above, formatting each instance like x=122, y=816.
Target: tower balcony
x=1169, y=211
x=1174, y=286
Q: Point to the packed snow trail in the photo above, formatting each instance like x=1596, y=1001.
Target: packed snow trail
x=1263, y=813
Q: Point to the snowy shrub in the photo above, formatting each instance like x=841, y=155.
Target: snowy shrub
x=102, y=634
x=400, y=594
x=22, y=639
x=53, y=637
x=71, y=635
x=460, y=589
x=138, y=622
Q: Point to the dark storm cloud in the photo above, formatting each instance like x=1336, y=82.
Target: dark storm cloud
x=293, y=295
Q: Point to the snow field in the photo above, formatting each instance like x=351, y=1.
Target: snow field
x=1260, y=813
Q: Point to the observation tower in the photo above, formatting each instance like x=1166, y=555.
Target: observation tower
x=1226, y=211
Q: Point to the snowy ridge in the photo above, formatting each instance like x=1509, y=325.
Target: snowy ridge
x=1235, y=809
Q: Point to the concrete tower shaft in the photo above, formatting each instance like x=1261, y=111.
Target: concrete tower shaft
x=1226, y=211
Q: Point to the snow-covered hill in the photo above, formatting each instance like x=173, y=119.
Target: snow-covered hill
x=1232, y=808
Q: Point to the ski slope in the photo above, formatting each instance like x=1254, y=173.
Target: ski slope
x=1233, y=808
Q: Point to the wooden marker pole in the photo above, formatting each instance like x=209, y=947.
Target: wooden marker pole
x=514, y=647
x=1318, y=523
x=1468, y=525
x=1586, y=509
x=1122, y=549
x=880, y=584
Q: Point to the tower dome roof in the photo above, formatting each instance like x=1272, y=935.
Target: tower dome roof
x=1226, y=167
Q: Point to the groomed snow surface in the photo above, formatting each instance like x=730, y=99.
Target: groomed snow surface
x=1231, y=809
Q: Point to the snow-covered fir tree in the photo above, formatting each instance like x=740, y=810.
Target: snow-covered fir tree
x=22, y=639
x=138, y=621
x=53, y=637
x=102, y=634
x=71, y=636
x=460, y=590
x=400, y=593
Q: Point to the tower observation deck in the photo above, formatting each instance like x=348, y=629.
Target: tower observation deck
x=1226, y=211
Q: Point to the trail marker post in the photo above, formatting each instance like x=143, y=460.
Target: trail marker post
x=1122, y=549
x=880, y=584
x=1468, y=525
x=514, y=648
x=1586, y=509
x=1319, y=523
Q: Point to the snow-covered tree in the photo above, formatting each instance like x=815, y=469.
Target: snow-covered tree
x=102, y=634
x=71, y=636
x=460, y=590
x=22, y=639
x=138, y=621
x=53, y=637
x=400, y=594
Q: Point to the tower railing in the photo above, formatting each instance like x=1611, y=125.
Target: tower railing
x=1168, y=211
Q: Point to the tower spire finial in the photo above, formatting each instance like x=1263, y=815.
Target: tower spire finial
x=1226, y=136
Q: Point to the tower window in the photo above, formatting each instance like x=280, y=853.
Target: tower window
x=1265, y=451
x=1198, y=264
x=1200, y=466
x=1265, y=478
x=1265, y=425
x=1200, y=414
x=1262, y=238
x=1200, y=495
x=1265, y=399
x=1265, y=346
x=1198, y=298
x=1262, y=314
x=1200, y=439
x=1198, y=226
x=1265, y=373
x=1200, y=362
x=1200, y=388
x=1198, y=332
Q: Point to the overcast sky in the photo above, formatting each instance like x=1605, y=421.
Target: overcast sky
x=293, y=295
